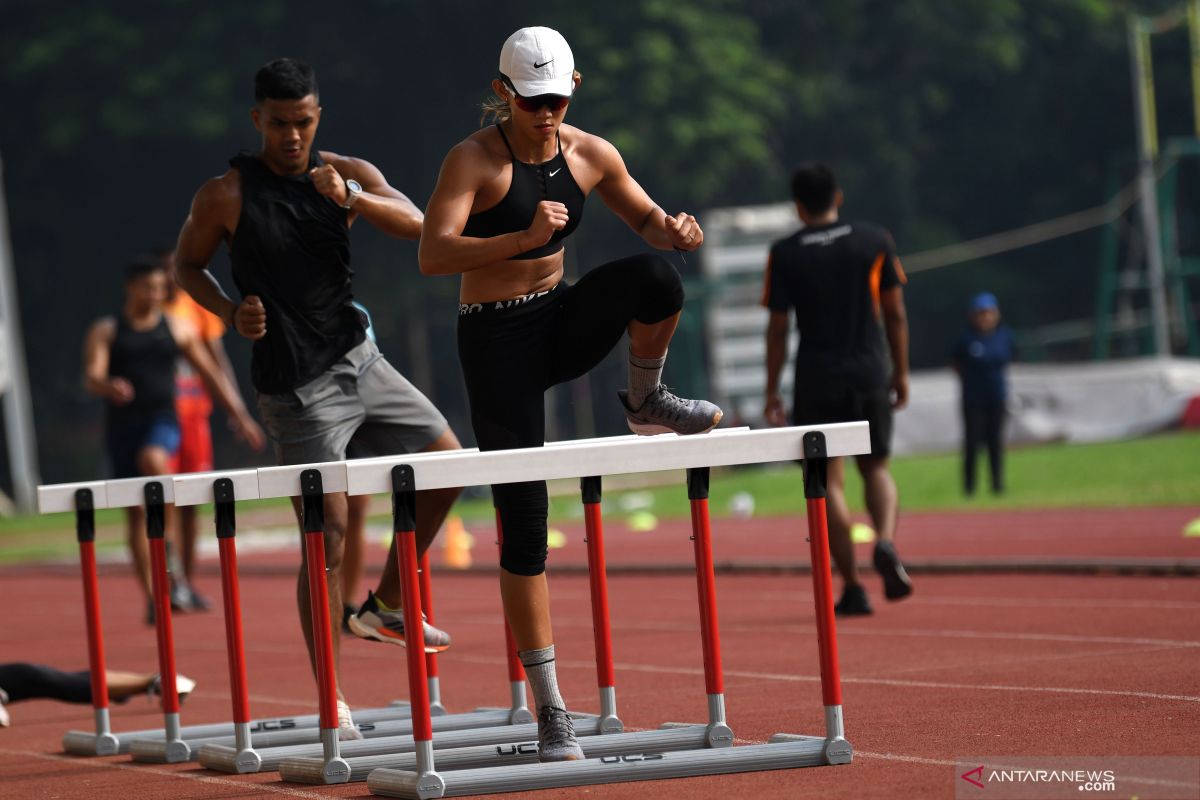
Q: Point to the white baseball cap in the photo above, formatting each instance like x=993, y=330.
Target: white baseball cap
x=538, y=61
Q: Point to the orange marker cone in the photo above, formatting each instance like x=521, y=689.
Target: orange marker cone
x=456, y=544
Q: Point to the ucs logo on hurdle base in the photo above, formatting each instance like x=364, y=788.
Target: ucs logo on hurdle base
x=1056, y=777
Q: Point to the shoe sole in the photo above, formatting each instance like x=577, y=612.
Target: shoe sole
x=648, y=429
x=386, y=636
x=896, y=583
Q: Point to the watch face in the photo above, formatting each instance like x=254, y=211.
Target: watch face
x=353, y=185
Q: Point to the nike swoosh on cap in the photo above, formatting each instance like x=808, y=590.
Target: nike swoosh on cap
x=539, y=66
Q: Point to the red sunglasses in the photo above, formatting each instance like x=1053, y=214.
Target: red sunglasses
x=531, y=105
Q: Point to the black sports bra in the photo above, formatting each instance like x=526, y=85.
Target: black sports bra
x=531, y=183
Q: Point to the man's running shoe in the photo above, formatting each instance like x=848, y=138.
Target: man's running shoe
x=854, y=602
x=183, y=686
x=663, y=412
x=896, y=583
x=556, y=736
x=4, y=720
x=347, y=730
x=372, y=622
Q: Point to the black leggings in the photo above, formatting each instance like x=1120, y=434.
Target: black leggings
x=34, y=681
x=983, y=424
x=512, y=351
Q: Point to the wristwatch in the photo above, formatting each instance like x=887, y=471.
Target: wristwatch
x=353, y=190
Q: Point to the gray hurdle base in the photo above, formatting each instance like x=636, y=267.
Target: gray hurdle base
x=457, y=751
x=619, y=766
x=385, y=736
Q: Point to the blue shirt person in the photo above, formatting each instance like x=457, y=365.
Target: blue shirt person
x=981, y=357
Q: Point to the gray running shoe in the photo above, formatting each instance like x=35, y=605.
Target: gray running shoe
x=663, y=412
x=372, y=622
x=556, y=736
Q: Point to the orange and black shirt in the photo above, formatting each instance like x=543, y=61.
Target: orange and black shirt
x=833, y=275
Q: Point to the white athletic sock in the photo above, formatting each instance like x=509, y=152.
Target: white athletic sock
x=645, y=374
x=543, y=680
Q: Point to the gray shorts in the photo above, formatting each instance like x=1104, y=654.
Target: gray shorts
x=358, y=408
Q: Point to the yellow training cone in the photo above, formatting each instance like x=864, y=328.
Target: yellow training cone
x=861, y=534
x=555, y=539
x=1192, y=528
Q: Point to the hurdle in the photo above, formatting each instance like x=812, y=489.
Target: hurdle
x=651, y=757
x=172, y=742
x=309, y=763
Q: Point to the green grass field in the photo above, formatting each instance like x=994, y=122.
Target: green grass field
x=1154, y=471
x=1157, y=470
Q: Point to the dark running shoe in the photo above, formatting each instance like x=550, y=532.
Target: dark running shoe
x=372, y=622
x=854, y=603
x=556, y=736
x=896, y=583
x=347, y=613
x=663, y=412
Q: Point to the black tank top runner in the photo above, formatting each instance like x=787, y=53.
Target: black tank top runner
x=292, y=249
x=147, y=360
x=531, y=184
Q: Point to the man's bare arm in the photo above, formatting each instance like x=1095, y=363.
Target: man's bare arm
x=205, y=228
x=895, y=323
x=380, y=204
x=97, y=348
x=777, y=331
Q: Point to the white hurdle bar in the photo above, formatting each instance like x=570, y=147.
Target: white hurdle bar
x=814, y=445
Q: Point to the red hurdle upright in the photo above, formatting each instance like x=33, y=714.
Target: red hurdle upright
x=313, y=504
x=102, y=742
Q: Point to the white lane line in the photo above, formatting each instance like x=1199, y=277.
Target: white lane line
x=141, y=769
x=848, y=630
x=1049, y=602
x=1078, y=655
x=769, y=676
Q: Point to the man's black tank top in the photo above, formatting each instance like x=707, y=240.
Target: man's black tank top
x=147, y=360
x=531, y=184
x=292, y=250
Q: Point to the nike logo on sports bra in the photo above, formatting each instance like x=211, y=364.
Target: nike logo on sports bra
x=552, y=174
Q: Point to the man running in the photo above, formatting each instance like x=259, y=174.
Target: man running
x=129, y=362
x=844, y=280
x=285, y=213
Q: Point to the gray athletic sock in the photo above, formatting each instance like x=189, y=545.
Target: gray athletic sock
x=644, y=376
x=543, y=681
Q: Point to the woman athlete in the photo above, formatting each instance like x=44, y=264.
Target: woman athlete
x=505, y=200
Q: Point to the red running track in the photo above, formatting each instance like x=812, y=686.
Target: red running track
x=970, y=665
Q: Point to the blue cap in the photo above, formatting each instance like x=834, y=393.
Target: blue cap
x=984, y=301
